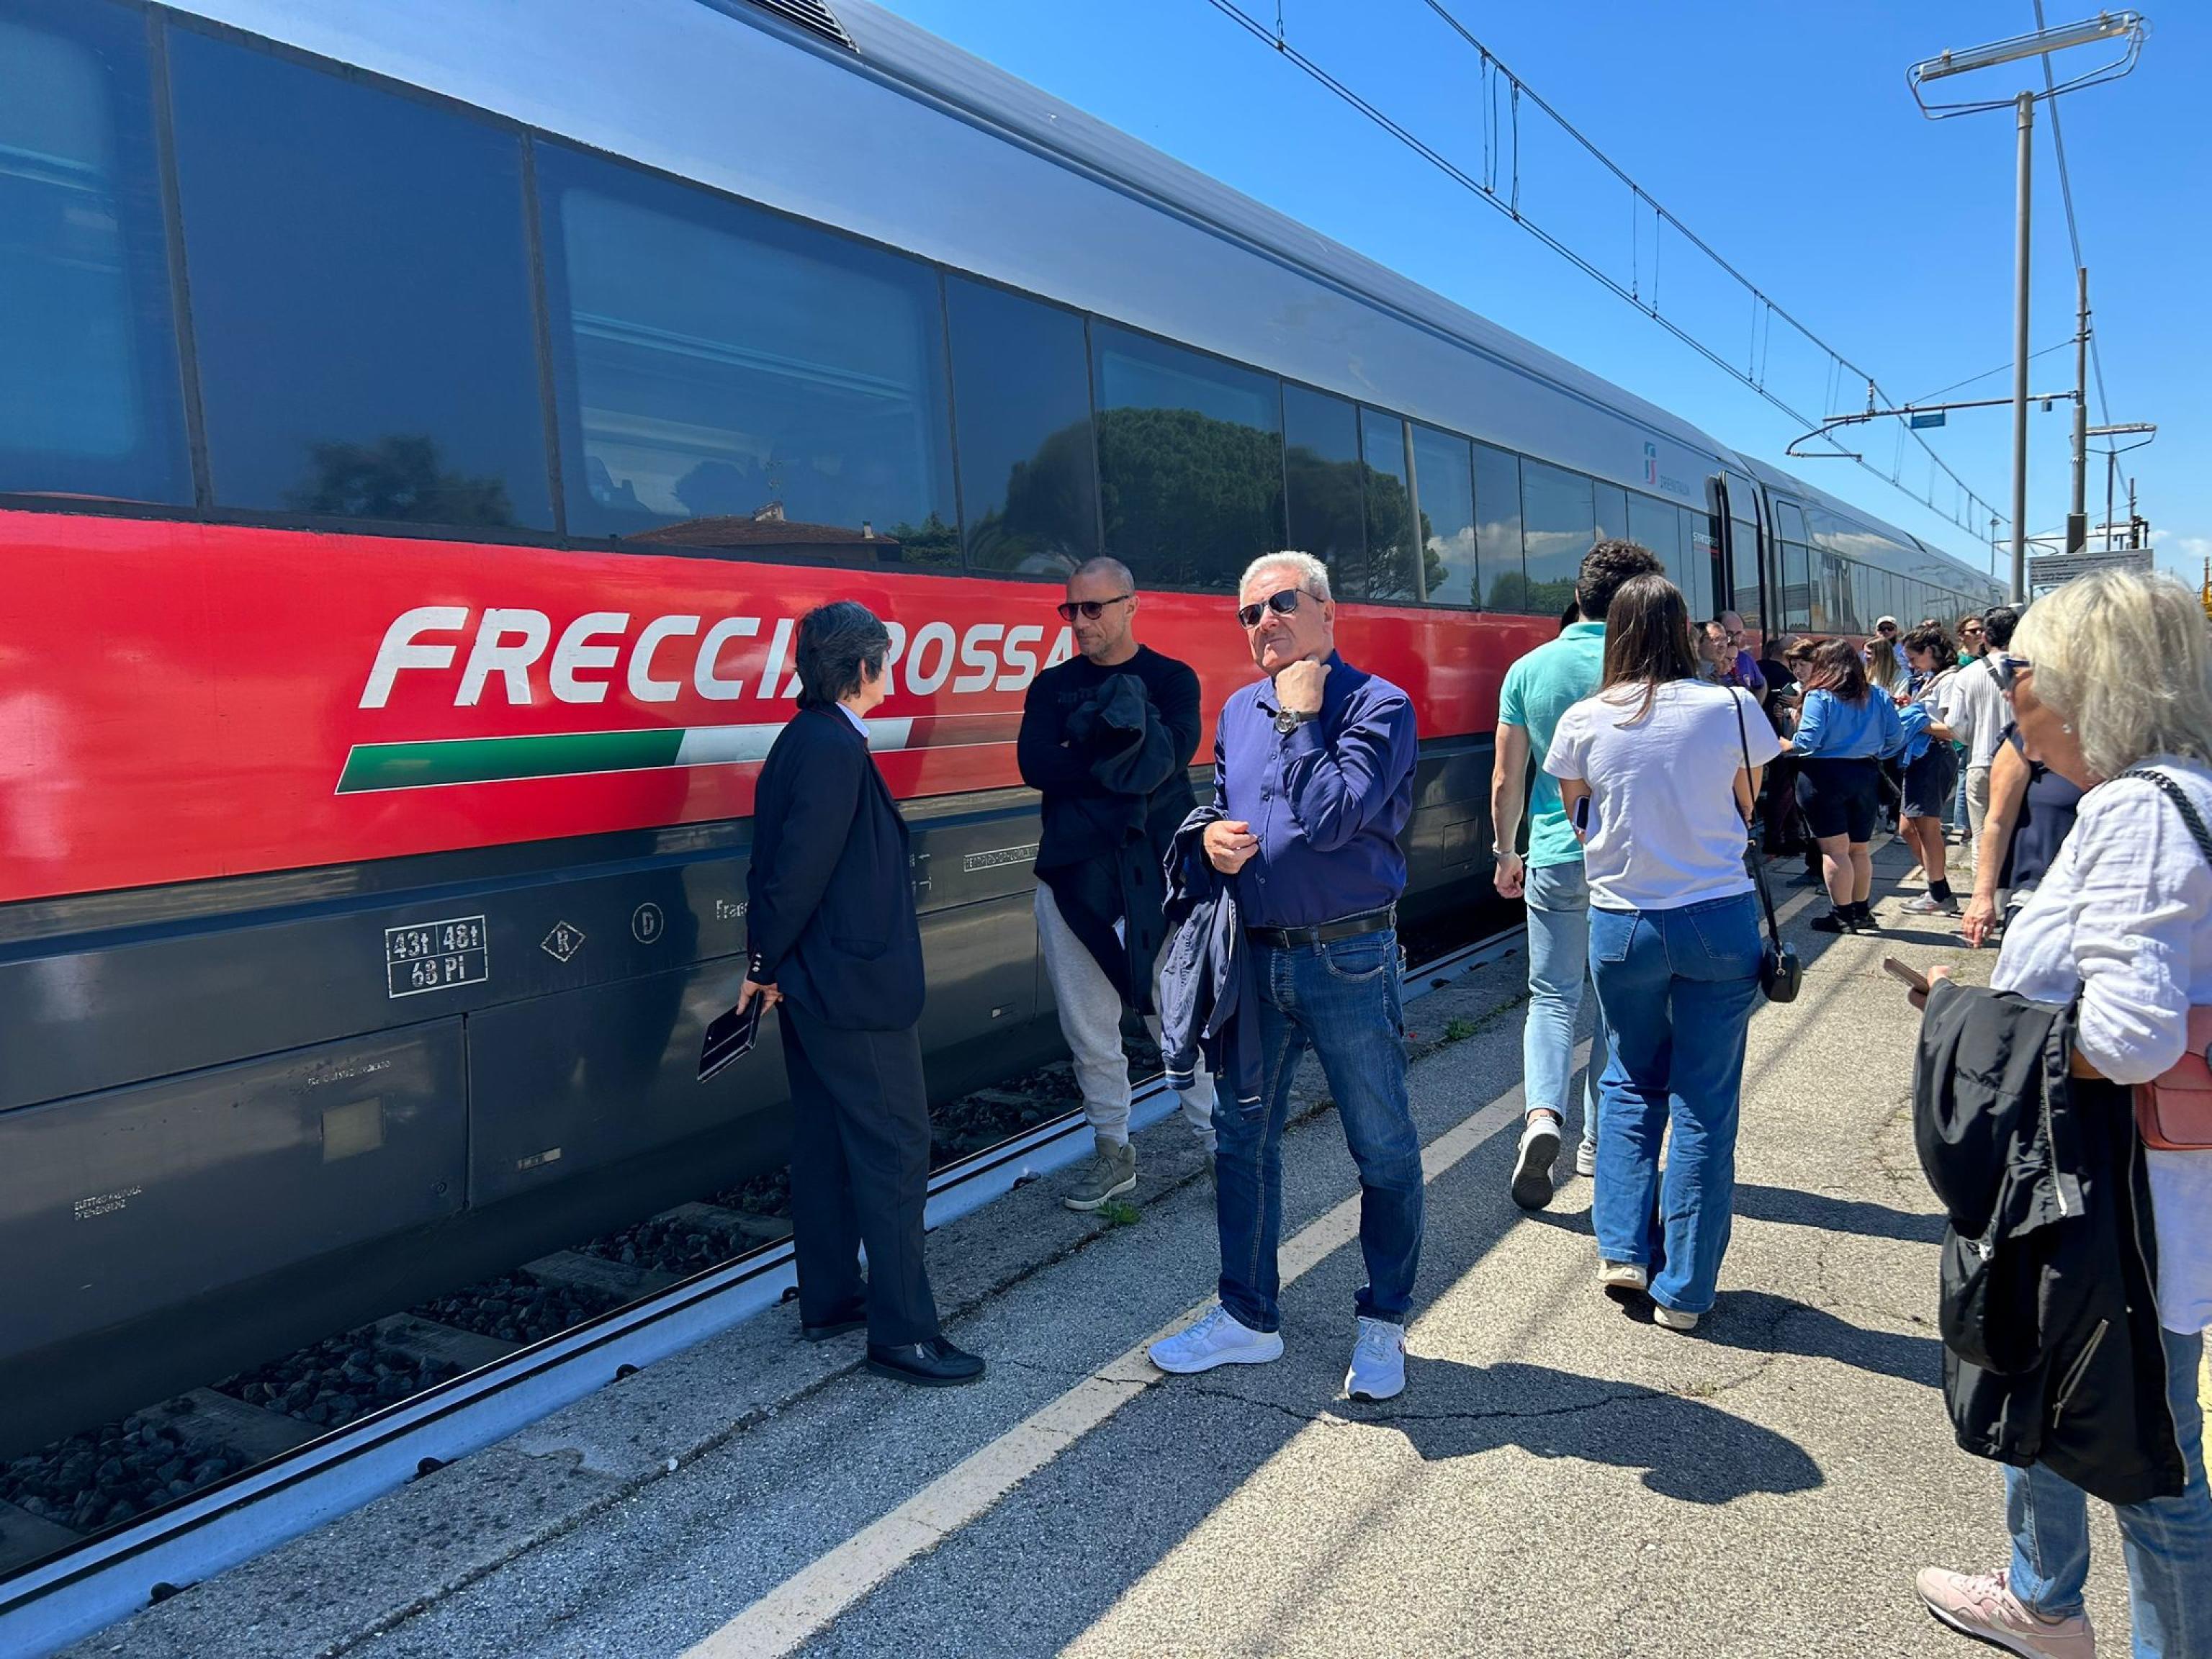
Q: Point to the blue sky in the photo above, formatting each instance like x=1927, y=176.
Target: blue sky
x=1781, y=133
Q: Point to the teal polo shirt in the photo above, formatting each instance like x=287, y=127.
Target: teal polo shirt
x=1539, y=688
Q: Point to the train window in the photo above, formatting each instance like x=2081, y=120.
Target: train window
x=1790, y=522
x=360, y=296
x=1797, y=586
x=1614, y=516
x=87, y=352
x=1029, y=470
x=1190, y=461
x=1498, y=528
x=1321, y=484
x=1444, y=487
x=1557, y=528
x=1653, y=525
x=734, y=380
x=1392, y=537
x=1744, y=535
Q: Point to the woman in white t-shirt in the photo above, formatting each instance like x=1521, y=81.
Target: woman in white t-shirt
x=1653, y=772
x=2112, y=674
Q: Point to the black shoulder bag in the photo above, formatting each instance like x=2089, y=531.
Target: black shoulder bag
x=1780, y=973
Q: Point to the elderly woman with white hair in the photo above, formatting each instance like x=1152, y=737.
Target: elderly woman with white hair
x=2110, y=681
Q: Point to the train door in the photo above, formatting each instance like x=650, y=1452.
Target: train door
x=1736, y=516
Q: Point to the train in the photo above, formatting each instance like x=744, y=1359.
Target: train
x=426, y=422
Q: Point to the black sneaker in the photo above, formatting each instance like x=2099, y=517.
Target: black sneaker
x=1861, y=917
x=1835, y=921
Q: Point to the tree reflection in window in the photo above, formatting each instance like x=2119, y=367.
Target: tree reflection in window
x=1190, y=462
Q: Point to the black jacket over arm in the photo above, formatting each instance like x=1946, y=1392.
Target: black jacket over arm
x=829, y=915
x=1112, y=761
x=2051, y=1348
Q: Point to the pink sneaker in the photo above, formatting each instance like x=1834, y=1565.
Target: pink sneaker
x=1982, y=1605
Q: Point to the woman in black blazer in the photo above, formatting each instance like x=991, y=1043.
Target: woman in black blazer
x=834, y=946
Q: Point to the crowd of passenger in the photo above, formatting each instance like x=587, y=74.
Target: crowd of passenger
x=1649, y=765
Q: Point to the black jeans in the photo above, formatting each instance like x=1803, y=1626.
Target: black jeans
x=860, y=1173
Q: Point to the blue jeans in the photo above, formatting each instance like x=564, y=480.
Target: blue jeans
x=1694, y=970
x=1345, y=999
x=2168, y=1541
x=1559, y=954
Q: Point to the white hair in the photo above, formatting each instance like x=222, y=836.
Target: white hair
x=2122, y=658
x=1313, y=575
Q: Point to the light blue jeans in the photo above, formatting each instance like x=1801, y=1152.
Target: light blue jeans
x=1559, y=956
x=1677, y=988
x=2168, y=1541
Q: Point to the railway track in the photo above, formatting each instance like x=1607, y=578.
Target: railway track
x=104, y=1522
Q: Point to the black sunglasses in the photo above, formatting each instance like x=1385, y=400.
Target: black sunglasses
x=1092, y=608
x=1282, y=604
x=2008, y=669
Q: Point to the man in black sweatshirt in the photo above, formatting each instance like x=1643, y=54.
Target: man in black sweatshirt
x=1107, y=739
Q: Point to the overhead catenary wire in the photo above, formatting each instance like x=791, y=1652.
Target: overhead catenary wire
x=1505, y=196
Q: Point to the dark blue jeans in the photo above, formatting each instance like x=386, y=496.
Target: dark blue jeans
x=1344, y=998
x=1677, y=988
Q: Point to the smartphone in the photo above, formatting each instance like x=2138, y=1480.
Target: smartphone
x=1582, y=816
x=1912, y=976
x=729, y=1038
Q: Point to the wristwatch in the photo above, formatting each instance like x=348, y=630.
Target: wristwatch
x=1288, y=720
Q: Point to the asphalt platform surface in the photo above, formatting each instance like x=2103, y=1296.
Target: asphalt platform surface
x=1560, y=1477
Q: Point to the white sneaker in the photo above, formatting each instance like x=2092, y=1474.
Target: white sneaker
x=1673, y=1319
x=1623, y=1276
x=1532, y=1169
x=1378, y=1361
x=1929, y=905
x=1586, y=1159
x=1216, y=1340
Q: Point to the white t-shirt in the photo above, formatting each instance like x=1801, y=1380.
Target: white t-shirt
x=2124, y=916
x=1664, y=830
x=1977, y=714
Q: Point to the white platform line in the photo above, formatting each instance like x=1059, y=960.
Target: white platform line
x=818, y=1594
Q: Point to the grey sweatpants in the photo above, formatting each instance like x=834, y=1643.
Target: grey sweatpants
x=1091, y=1020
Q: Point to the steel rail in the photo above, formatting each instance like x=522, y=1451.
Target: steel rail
x=50, y=1604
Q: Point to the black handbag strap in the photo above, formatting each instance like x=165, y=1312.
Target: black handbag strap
x=2185, y=807
x=1757, y=861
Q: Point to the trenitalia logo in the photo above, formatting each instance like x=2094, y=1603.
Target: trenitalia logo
x=513, y=651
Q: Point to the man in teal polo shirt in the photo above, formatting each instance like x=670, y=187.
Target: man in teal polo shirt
x=1539, y=688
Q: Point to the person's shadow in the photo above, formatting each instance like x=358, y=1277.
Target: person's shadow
x=1687, y=1450
x=1837, y=1215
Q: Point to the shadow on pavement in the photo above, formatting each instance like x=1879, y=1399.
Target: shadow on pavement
x=1835, y=1215
x=1758, y=1322
x=1688, y=1450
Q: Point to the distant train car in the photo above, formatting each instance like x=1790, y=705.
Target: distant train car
x=425, y=422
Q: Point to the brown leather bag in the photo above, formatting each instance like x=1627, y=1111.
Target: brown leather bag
x=2174, y=1111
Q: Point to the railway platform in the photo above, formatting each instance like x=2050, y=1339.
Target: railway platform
x=1559, y=1476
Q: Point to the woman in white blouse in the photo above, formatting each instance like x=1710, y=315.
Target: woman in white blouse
x=2110, y=673
x=1657, y=773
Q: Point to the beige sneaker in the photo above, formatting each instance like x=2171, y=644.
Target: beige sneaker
x=1623, y=1275
x=1982, y=1605
x=1673, y=1319
x=1111, y=1172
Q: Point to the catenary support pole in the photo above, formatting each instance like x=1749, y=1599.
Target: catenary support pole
x=2026, y=103
x=2077, y=519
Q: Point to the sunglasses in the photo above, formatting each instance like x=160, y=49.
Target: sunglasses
x=1092, y=608
x=1282, y=604
x=1972, y=628
x=2008, y=669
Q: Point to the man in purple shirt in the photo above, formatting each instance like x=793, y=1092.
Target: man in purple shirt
x=1313, y=776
